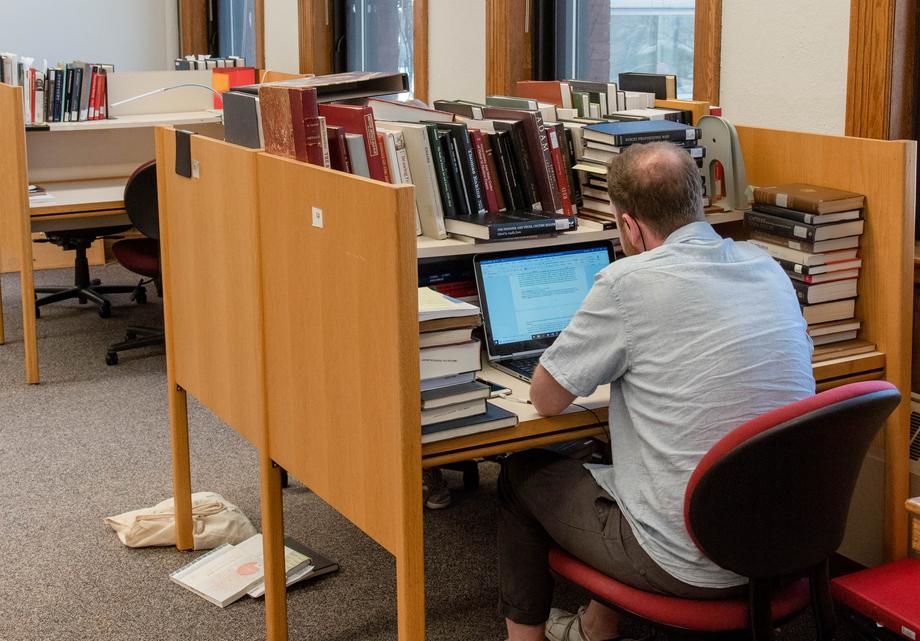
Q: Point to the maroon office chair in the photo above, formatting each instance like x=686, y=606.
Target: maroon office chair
x=769, y=502
x=140, y=255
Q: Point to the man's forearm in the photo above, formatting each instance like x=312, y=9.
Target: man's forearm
x=549, y=398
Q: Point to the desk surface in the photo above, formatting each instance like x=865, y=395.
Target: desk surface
x=79, y=195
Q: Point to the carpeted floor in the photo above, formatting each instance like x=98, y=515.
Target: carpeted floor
x=92, y=441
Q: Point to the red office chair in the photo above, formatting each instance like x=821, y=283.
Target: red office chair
x=769, y=502
x=140, y=255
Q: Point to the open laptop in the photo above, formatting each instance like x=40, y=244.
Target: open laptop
x=528, y=297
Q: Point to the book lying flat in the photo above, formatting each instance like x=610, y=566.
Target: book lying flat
x=448, y=360
x=439, y=397
x=811, y=199
x=807, y=259
x=433, y=305
x=500, y=226
x=314, y=566
x=454, y=411
x=826, y=312
x=225, y=573
x=841, y=350
x=495, y=418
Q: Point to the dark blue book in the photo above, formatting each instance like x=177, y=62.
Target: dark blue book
x=495, y=418
x=640, y=131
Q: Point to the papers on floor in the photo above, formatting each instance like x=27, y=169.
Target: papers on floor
x=226, y=573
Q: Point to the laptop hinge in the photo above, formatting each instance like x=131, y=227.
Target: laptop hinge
x=528, y=354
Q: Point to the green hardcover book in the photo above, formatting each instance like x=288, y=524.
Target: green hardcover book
x=581, y=100
x=441, y=170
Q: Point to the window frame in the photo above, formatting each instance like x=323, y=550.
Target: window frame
x=317, y=46
x=193, y=29
x=509, y=49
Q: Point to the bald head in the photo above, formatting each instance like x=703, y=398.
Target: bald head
x=658, y=184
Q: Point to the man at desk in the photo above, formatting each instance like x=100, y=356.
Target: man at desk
x=695, y=334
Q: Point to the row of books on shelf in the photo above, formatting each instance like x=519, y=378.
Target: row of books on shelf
x=453, y=402
x=191, y=63
x=69, y=92
x=505, y=168
x=229, y=572
x=813, y=232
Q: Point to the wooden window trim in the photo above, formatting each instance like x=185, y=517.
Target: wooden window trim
x=316, y=45
x=193, y=28
x=881, y=85
x=508, y=47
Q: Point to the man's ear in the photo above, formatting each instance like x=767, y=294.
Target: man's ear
x=632, y=228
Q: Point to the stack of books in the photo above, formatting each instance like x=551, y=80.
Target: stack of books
x=604, y=141
x=453, y=402
x=70, y=92
x=813, y=232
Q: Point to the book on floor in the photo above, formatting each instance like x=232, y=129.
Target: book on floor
x=302, y=563
x=495, y=418
x=224, y=574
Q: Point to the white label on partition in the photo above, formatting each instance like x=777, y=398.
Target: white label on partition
x=196, y=169
x=317, y=217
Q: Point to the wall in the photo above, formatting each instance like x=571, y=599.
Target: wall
x=784, y=63
x=282, y=39
x=133, y=36
x=456, y=49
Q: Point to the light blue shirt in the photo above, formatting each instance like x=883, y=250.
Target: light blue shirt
x=695, y=337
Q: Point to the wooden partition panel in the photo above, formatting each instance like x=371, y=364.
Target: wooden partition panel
x=210, y=249
x=885, y=172
x=341, y=352
x=14, y=215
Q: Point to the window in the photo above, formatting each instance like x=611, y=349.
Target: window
x=599, y=39
x=236, y=29
x=378, y=36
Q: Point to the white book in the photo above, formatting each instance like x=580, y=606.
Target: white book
x=358, y=155
x=424, y=177
x=448, y=360
x=803, y=257
x=445, y=337
x=226, y=573
x=433, y=305
x=398, y=164
x=324, y=137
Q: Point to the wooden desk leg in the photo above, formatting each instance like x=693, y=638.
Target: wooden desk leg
x=29, y=339
x=410, y=573
x=2, y=331
x=276, y=628
x=182, y=471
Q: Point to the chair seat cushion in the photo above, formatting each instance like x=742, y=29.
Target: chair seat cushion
x=140, y=255
x=687, y=614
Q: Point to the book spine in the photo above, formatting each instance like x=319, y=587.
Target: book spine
x=104, y=99
x=441, y=171
x=324, y=139
x=299, y=127
x=568, y=155
x=791, y=266
x=77, y=90
x=434, y=212
x=545, y=174
x=313, y=141
x=508, y=177
x=663, y=136
x=559, y=169
x=504, y=231
x=779, y=226
x=454, y=161
x=382, y=145
x=524, y=168
x=783, y=212
x=93, y=89
x=789, y=201
x=402, y=159
x=483, y=163
x=475, y=190
x=492, y=167
x=375, y=161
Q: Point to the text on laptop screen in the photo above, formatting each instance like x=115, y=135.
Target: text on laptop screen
x=535, y=296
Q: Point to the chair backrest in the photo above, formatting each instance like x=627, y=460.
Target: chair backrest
x=141, y=200
x=770, y=499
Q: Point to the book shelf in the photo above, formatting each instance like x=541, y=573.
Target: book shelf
x=83, y=167
x=325, y=319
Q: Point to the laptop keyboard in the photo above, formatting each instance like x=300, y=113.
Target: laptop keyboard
x=524, y=366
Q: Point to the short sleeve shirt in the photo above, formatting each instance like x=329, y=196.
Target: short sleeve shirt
x=694, y=337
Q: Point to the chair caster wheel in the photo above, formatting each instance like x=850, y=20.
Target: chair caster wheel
x=105, y=310
x=140, y=296
x=111, y=358
x=95, y=282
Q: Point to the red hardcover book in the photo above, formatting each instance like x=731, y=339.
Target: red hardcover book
x=104, y=94
x=313, y=139
x=493, y=172
x=93, y=90
x=357, y=119
x=562, y=178
x=538, y=148
x=304, y=117
x=382, y=145
x=541, y=90
x=488, y=186
x=338, y=151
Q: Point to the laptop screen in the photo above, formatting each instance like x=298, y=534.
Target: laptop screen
x=528, y=298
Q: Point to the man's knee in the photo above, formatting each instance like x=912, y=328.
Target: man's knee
x=516, y=469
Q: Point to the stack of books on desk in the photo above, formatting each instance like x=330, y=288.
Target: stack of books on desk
x=603, y=141
x=453, y=401
x=813, y=232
